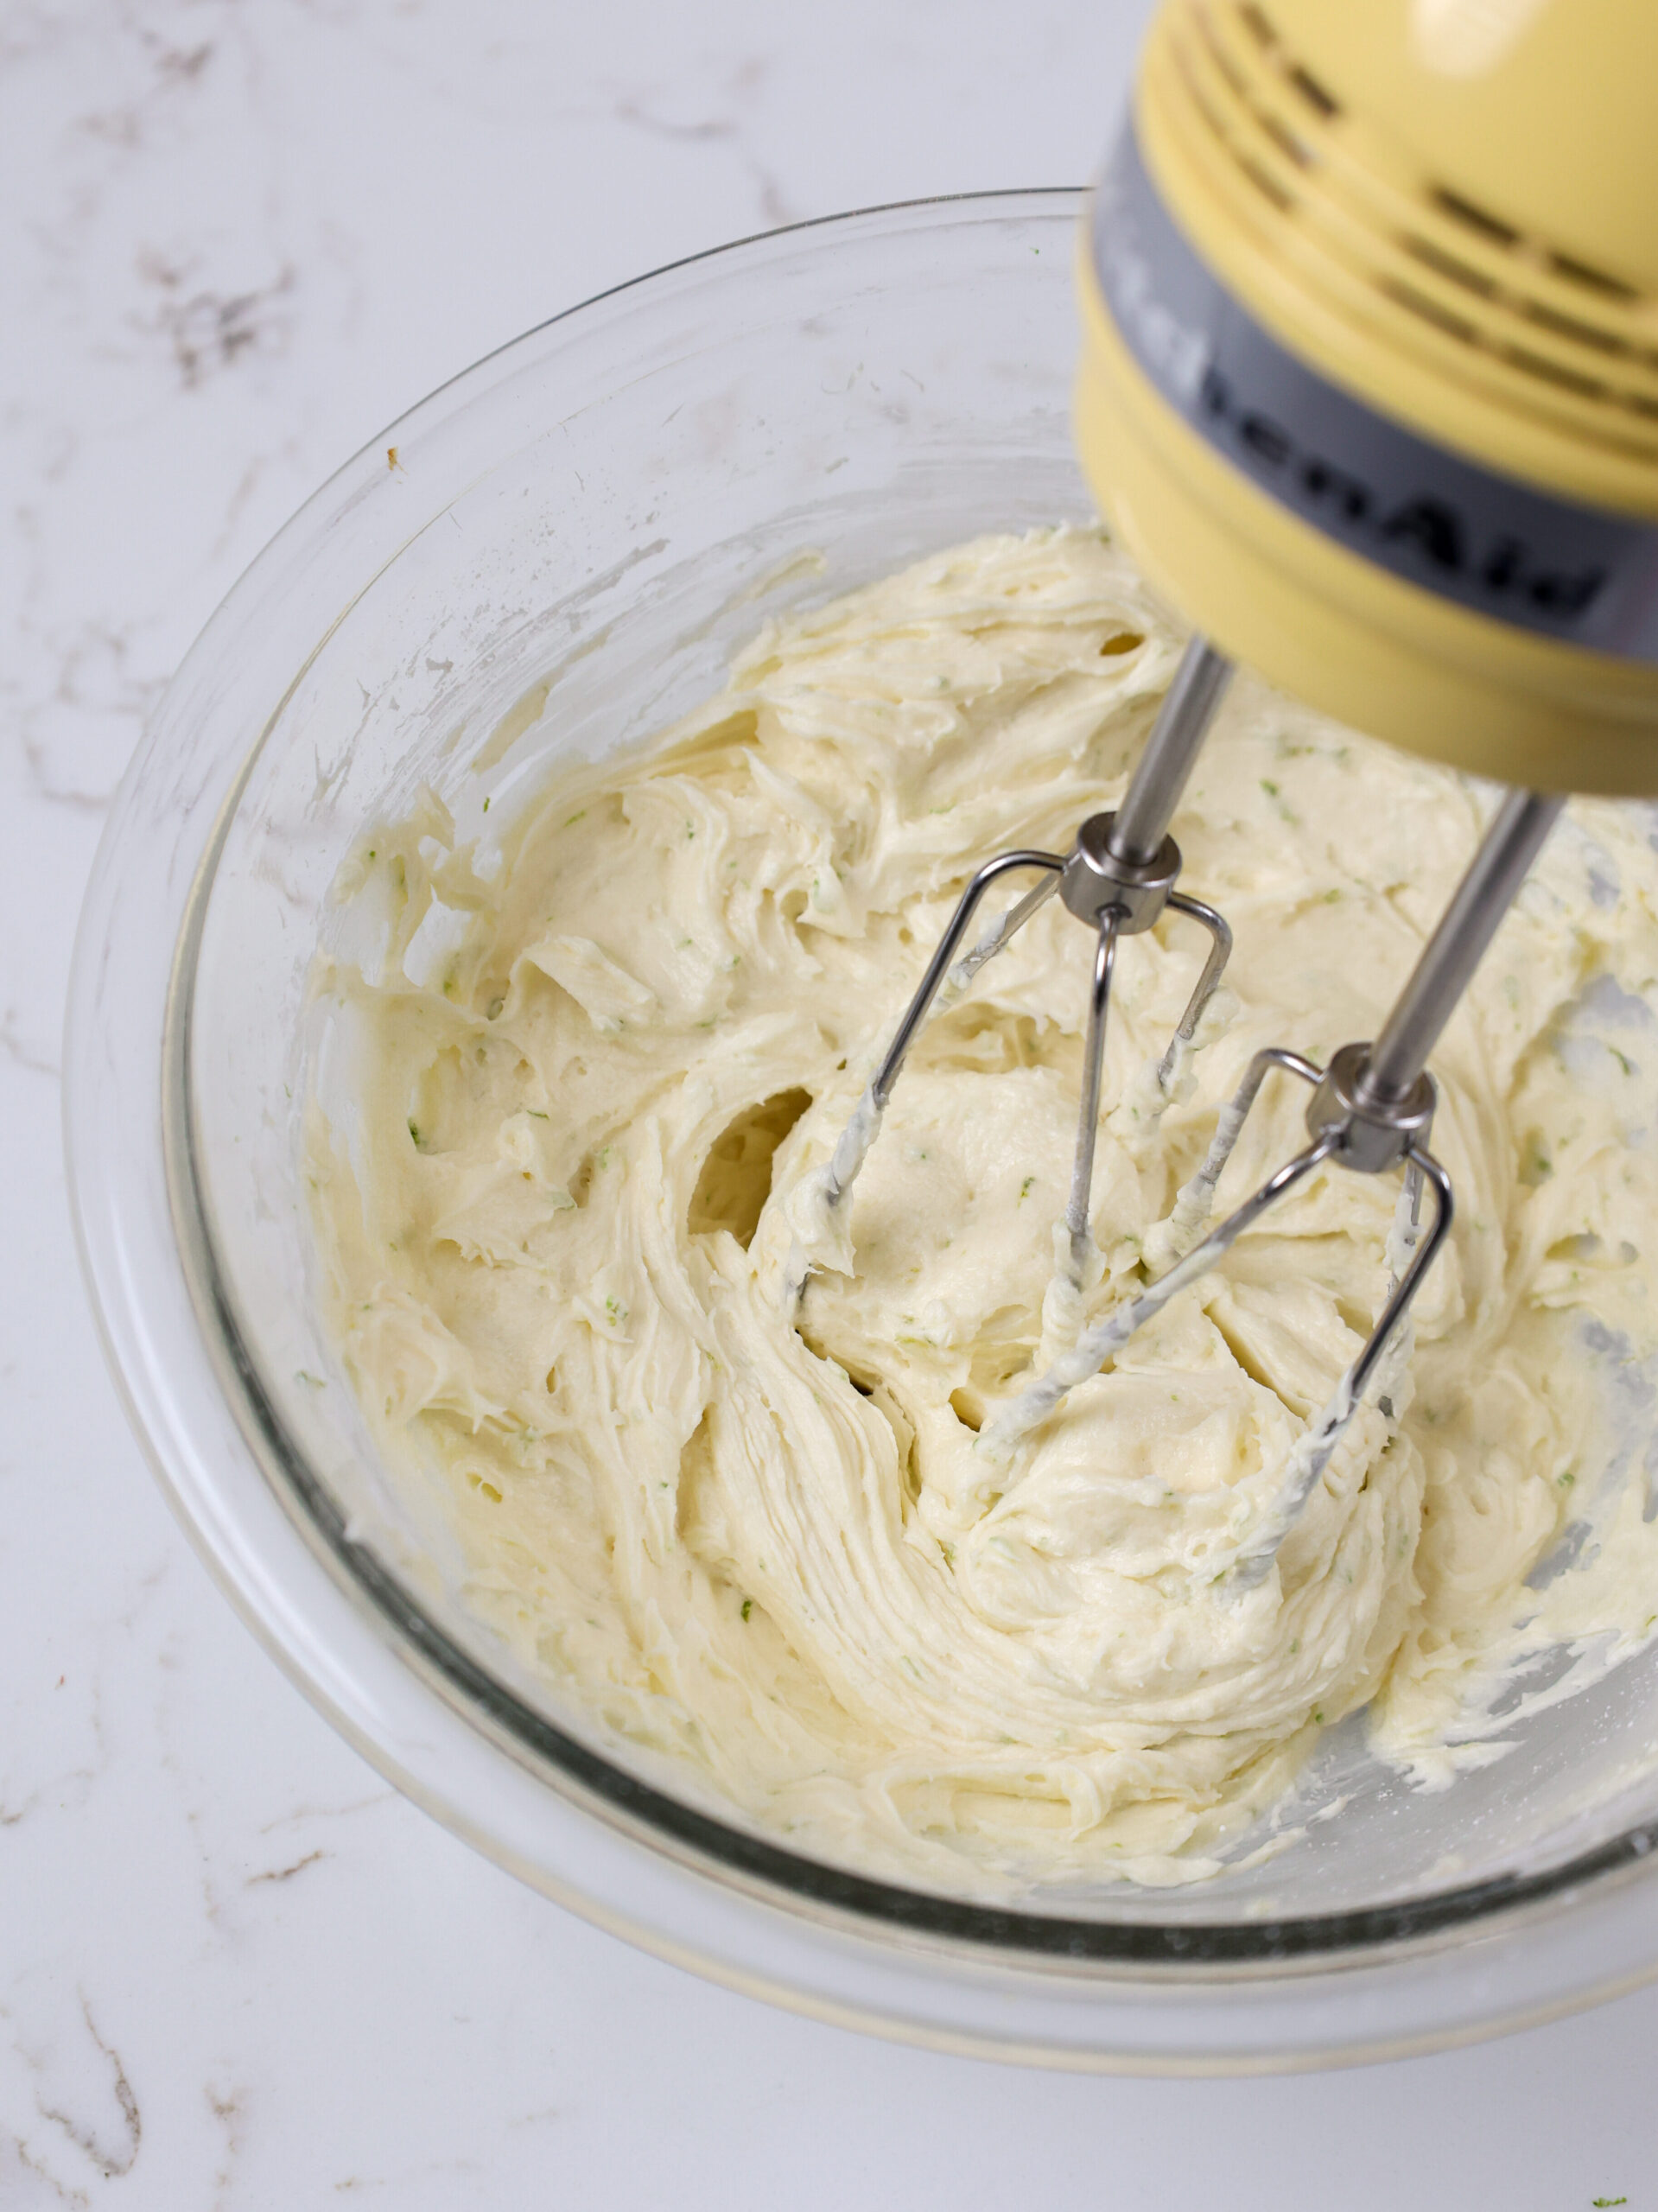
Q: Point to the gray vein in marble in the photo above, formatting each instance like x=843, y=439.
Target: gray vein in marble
x=124, y=126
x=111, y=2161
x=208, y=329
x=376, y=1797
x=19, y=1050
x=287, y=1873
x=12, y=2193
x=11, y=1815
x=537, y=2118
x=228, y=2109
x=237, y=505
x=57, y=790
x=409, y=2174
x=77, y=741
x=728, y=126
x=68, y=1788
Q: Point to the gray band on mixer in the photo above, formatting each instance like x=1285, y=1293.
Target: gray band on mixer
x=1426, y=514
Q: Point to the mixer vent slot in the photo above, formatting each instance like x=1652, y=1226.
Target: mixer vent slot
x=1259, y=28
x=1464, y=210
x=1578, y=272
x=1256, y=24
x=1313, y=92
x=1446, y=265
x=1539, y=330
x=1566, y=326
x=1431, y=310
x=1554, y=371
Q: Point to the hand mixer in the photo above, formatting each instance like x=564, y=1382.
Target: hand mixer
x=1369, y=385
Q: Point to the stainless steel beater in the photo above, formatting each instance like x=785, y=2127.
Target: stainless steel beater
x=1119, y=876
x=1371, y=1110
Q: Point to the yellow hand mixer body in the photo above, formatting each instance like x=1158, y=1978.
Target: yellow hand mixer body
x=1369, y=384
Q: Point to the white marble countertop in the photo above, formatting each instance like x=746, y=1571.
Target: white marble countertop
x=236, y=1970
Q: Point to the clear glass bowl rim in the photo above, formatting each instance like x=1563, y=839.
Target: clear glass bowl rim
x=1020, y=1938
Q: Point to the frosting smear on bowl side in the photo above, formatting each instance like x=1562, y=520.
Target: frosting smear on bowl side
x=599, y=1060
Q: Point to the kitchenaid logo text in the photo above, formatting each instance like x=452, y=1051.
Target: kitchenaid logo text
x=1434, y=529
x=1426, y=533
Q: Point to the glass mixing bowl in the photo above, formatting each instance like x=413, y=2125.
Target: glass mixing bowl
x=591, y=519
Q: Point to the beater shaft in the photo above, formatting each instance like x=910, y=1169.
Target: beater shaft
x=1458, y=944
x=1171, y=751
